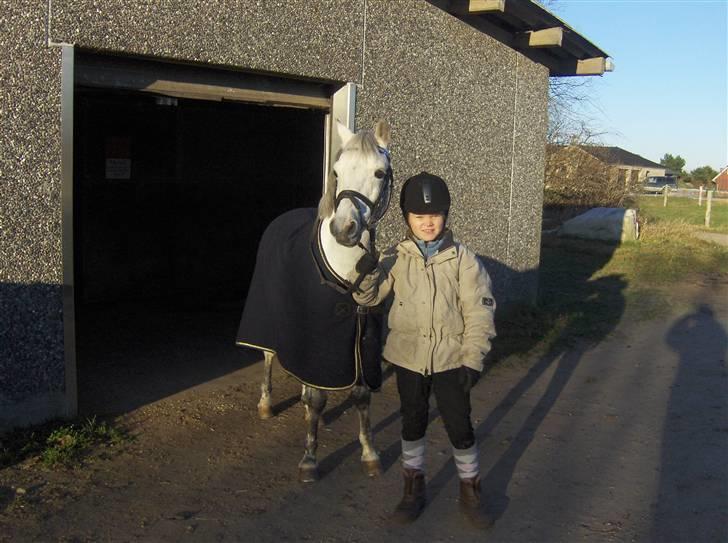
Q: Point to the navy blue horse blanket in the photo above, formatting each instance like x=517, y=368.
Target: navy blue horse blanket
x=318, y=333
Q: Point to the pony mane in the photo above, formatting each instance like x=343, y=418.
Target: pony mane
x=363, y=142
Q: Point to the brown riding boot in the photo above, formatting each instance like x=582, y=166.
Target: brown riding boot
x=413, y=498
x=471, y=505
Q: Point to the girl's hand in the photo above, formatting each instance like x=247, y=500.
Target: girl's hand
x=468, y=377
x=367, y=263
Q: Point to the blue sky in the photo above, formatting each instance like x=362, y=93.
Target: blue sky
x=669, y=90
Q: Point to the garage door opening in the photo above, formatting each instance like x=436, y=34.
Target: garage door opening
x=171, y=195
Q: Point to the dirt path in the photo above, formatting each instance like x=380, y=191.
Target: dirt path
x=621, y=442
x=714, y=237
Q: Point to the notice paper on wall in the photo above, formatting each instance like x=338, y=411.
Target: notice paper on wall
x=118, y=157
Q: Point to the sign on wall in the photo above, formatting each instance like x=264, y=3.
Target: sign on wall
x=118, y=157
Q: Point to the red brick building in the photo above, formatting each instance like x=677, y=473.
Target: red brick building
x=721, y=180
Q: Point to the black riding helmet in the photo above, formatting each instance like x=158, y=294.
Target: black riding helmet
x=424, y=194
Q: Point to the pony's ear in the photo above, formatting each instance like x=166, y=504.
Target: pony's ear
x=382, y=133
x=344, y=133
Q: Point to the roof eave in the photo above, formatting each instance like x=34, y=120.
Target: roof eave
x=720, y=173
x=532, y=30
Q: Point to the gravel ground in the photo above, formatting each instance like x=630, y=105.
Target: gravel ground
x=625, y=440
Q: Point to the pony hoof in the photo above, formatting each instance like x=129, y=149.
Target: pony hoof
x=265, y=412
x=372, y=468
x=308, y=474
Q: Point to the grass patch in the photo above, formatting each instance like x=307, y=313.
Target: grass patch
x=585, y=287
x=683, y=211
x=667, y=253
x=58, y=444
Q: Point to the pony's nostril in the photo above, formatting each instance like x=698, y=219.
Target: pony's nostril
x=351, y=229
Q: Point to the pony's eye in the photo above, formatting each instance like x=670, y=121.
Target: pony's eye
x=379, y=174
x=335, y=174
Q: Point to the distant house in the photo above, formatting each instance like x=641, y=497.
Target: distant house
x=721, y=180
x=614, y=163
x=625, y=166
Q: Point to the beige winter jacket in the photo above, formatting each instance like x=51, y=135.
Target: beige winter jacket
x=441, y=314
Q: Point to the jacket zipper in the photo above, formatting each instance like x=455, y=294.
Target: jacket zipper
x=431, y=280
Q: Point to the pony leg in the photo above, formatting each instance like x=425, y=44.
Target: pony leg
x=314, y=402
x=265, y=410
x=369, y=457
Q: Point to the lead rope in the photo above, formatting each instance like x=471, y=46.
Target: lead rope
x=355, y=285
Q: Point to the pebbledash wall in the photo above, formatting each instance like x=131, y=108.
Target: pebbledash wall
x=460, y=103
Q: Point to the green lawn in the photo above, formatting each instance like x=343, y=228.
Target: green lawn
x=684, y=209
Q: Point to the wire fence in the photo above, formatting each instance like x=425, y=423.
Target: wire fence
x=690, y=193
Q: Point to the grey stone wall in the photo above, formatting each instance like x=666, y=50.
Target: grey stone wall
x=529, y=155
x=31, y=333
x=471, y=110
x=461, y=105
x=320, y=39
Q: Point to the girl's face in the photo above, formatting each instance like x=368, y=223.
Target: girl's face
x=426, y=227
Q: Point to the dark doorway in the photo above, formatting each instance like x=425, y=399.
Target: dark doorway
x=171, y=196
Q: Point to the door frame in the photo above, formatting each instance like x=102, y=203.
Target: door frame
x=85, y=69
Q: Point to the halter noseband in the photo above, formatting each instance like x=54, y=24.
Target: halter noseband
x=376, y=209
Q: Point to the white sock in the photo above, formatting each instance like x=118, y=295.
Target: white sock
x=413, y=454
x=466, y=461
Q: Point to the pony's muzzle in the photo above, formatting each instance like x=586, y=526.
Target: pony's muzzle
x=348, y=235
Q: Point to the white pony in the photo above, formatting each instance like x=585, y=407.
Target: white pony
x=299, y=309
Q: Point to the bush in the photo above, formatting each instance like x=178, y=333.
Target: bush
x=576, y=179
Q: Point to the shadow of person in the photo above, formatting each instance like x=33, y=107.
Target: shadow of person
x=585, y=310
x=693, y=489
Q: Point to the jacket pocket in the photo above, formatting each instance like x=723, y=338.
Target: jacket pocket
x=449, y=318
x=402, y=316
x=401, y=349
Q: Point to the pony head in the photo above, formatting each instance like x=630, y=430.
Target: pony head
x=360, y=183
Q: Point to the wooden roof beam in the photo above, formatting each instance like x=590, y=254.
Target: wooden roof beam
x=587, y=66
x=548, y=37
x=486, y=6
x=591, y=66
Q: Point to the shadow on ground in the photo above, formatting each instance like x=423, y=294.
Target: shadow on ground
x=575, y=312
x=693, y=470
x=134, y=354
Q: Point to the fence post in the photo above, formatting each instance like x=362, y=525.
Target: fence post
x=700, y=196
x=664, y=201
x=708, y=205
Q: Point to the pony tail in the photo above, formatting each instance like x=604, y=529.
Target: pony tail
x=327, y=203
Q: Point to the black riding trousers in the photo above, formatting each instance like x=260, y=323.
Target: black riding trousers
x=452, y=401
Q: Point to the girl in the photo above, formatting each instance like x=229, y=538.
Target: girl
x=440, y=325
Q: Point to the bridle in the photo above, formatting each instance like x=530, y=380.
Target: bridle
x=376, y=209
x=376, y=212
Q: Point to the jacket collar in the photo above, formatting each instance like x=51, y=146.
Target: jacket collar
x=447, y=249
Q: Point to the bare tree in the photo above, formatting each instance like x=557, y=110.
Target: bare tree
x=574, y=178
x=573, y=112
